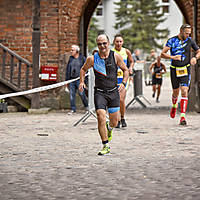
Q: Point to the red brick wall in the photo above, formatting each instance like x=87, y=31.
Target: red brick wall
x=60, y=21
x=15, y=26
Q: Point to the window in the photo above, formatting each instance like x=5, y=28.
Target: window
x=99, y=12
x=165, y=9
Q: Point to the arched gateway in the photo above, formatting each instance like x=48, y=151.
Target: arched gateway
x=62, y=23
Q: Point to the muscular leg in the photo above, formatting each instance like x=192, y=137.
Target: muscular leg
x=154, y=90
x=175, y=93
x=101, y=117
x=113, y=117
x=184, y=91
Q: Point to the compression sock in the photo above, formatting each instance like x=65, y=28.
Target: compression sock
x=183, y=105
x=174, y=101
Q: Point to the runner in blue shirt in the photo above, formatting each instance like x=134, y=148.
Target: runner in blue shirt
x=180, y=49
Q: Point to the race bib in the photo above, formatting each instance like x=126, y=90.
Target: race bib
x=181, y=71
x=158, y=75
x=119, y=73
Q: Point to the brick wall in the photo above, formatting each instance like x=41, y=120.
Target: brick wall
x=60, y=21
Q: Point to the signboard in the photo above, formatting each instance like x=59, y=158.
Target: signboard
x=48, y=73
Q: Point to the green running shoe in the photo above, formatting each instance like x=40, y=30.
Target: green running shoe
x=109, y=131
x=104, y=151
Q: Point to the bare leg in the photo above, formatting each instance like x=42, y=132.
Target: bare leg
x=101, y=117
x=122, y=102
x=154, y=90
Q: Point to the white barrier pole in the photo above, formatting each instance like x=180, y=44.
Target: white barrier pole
x=91, y=107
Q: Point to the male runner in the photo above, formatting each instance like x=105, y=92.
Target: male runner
x=180, y=47
x=156, y=70
x=106, y=94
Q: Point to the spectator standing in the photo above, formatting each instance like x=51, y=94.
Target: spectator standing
x=136, y=56
x=76, y=61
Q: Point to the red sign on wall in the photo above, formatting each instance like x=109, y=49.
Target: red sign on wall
x=48, y=73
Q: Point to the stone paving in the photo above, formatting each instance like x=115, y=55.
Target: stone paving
x=44, y=157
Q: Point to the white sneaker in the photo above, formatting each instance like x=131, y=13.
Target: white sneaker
x=71, y=112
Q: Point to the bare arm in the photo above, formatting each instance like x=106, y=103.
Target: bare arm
x=130, y=58
x=151, y=67
x=88, y=64
x=167, y=56
x=123, y=67
x=164, y=68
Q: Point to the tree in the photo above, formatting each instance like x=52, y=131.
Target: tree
x=138, y=22
x=92, y=34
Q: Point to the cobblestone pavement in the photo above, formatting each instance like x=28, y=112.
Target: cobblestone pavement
x=44, y=157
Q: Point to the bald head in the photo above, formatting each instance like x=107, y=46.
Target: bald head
x=102, y=36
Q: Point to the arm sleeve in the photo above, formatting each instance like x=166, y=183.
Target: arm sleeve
x=67, y=73
x=169, y=43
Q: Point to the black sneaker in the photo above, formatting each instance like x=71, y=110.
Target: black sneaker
x=123, y=123
x=153, y=95
x=118, y=125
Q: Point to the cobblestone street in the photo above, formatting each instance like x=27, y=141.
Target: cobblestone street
x=44, y=157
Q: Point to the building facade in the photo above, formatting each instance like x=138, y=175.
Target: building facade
x=105, y=15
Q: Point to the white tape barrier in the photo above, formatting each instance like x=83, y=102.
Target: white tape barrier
x=39, y=89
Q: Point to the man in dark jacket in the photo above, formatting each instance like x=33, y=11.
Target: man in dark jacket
x=74, y=65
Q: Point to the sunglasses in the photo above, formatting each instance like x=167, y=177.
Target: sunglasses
x=103, y=43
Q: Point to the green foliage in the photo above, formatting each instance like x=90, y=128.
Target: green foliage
x=138, y=22
x=92, y=34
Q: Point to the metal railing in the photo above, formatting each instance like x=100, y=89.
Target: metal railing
x=14, y=69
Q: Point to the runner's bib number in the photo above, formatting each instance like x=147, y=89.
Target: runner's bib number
x=181, y=71
x=158, y=75
x=119, y=73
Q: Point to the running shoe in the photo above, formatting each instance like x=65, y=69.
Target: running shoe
x=109, y=131
x=71, y=112
x=153, y=95
x=123, y=123
x=173, y=112
x=183, y=121
x=104, y=151
x=157, y=100
x=118, y=125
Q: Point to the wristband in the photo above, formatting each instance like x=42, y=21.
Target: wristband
x=124, y=83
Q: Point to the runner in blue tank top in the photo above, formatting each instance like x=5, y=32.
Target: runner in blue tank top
x=106, y=94
x=180, y=47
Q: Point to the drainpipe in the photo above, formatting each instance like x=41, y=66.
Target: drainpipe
x=197, y=79
x=195, y=20
x=35, y=102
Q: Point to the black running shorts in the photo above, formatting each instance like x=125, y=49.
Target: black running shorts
x=179, y=81
x=104, y=100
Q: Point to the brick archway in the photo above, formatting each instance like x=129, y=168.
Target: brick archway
x=63, y=23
